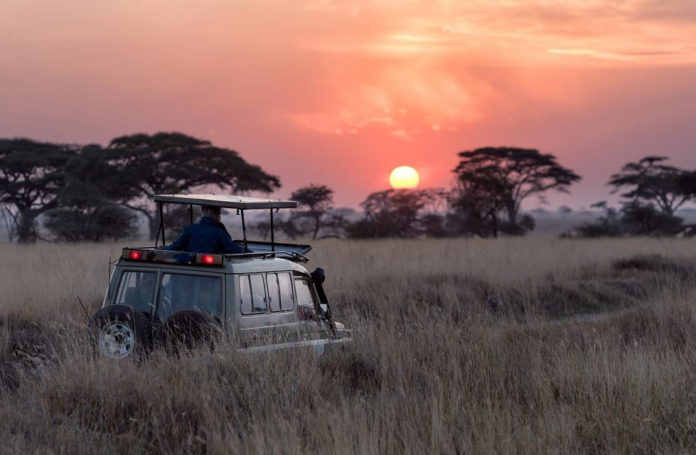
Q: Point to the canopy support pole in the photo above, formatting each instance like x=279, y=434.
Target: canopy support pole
x=161, y=226
x=244, y=231
x=272, y=233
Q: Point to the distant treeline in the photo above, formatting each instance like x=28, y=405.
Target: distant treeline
x=90, y=192
x=66, y=192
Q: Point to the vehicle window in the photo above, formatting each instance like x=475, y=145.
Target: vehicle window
x=252, y=294
x=245, y=294
x=304, y=293
x=136, y=290
x=185, y=292
x=287, y=299
x=280, y=297
x=273, y=291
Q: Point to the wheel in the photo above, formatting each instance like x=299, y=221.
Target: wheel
x=189, y=329
x=121, y=332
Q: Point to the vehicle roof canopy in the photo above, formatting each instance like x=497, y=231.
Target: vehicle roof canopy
x=227, y=201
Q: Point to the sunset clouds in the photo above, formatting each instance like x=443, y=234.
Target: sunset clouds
x=365, y=84
x=418, y=56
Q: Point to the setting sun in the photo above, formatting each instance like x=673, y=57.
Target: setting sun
x=404, y=177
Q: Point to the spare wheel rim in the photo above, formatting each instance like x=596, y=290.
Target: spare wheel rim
x=117, y=340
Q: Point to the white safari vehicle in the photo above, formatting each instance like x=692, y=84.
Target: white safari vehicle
x=264, y=299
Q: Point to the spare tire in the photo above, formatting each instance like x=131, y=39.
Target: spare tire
x=189, y=329
x=121, y=332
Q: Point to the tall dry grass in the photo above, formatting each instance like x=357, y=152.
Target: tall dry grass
x=512, y=345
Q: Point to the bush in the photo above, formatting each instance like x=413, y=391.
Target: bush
x=600, y=228
x=645, y=219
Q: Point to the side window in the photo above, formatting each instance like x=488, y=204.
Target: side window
x=304, y=293
x=280, y=297
x=184, y=292
x=136, y=289
x=273, y=291
x=252, y=294
x=245, y=294
x=287, y=299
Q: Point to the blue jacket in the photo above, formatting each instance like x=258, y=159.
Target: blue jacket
x=205, y=237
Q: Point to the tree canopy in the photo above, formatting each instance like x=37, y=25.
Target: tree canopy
x=495, y=179
x=176, y=163
x=76, y=186
x=90, y=202
x=315, y=201
x=650, y=180
x=686, y=184
x=31, y=176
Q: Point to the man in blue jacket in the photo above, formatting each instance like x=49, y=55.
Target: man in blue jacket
x=206, y=236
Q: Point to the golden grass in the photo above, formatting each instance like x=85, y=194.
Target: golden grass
x=509, y=345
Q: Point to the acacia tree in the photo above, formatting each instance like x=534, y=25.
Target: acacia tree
x=175, y=163
x=31, y=175
x=502, y=177
x=651, y=181
x=318, y=200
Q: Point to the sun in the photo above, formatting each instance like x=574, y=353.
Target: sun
x=404, y=177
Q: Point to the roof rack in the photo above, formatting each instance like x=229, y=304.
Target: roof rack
x=227, y=201
x=150, y=254
x=240, y=203
x=291, y=255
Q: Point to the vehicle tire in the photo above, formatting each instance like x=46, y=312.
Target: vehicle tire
x=189, y=329
x=121, y=332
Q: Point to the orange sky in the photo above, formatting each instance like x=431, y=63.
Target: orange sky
x=341, y=92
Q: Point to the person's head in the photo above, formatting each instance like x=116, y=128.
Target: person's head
x=211, y=211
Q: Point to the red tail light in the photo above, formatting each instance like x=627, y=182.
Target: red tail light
x=171, y=257
x=209, y=259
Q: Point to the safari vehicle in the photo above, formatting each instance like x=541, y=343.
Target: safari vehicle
x=263, y=299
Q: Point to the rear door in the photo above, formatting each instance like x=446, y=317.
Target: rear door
x=135, y=288
x=183, y=290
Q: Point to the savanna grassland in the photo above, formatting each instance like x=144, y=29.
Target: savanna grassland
x=469, y=346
